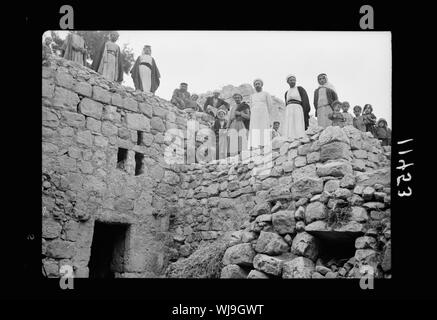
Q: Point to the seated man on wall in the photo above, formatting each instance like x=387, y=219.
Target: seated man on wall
x=181, y=97
x=214, y=103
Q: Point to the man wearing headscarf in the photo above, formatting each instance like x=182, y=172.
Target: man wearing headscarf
x=323, y=97
x=145, y=73
x=220, y=131
x=297, y=109
x=181, y=97
x=74, y=48
x=261, y=105
x=239, y=121
x=108, y=61
x=213, y=103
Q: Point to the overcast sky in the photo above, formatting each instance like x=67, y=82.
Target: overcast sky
x=358, y=64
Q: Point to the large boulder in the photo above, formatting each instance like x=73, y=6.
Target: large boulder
x=335, y=150
x=256, y=274
x=233, y=271
x=305, y=245
x=315, y=211
x=298, y=268
x=241, y=254
x=271, y=243
x=335, y=169
x=268, y=264
x=306, y=187
x=259, y=209
x=370, y=178
x=331, y=134
x=283, y=222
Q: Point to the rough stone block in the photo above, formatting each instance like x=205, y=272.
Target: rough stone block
x=335, y=150
x=271, y=243
x=305, y=187
x=65, y=99
x=305, y=245
x=233, y=271
x=101, y=95
x=83, y=88
x=241, y=254
x=335, y=169
x=298, y=268
x=315, y=211
x=268, y=264
x=91, y=108
x=130, y=104
x=73, y=119
x=136, y=121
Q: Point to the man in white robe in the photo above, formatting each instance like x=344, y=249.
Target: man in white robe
x=145, y=73
x=261, y=104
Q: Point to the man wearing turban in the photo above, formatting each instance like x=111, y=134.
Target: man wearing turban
x=297, y=108
x=261, y=104
x=145, y=73
x=108, y=60
x=324, y=96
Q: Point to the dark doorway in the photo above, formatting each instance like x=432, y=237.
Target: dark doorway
x=107, y=250
x=336, y=247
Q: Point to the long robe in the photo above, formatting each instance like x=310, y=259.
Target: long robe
x=220, y=131
x=294, y=119
x=238, y=126
x=259, y=129
x=305, y=103
x=154, y=75
x=71, y=47
x=324, y=96
x=108, y=65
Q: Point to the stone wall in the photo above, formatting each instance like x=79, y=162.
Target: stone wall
x=320, y=175
x=85, y=120
x=172, y=209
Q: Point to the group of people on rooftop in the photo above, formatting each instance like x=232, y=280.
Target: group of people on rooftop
x=248, y=123
x=108, y=61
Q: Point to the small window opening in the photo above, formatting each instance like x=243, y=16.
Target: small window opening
x=139, y=163
x=121, y=158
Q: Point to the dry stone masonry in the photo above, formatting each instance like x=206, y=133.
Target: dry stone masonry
x=114, y=207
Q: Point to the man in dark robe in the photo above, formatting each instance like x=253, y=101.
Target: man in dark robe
x=108, y=60
x=213, y=103
x=146, y=80
x=305, y=103
x=181, y=97
x=74, y=48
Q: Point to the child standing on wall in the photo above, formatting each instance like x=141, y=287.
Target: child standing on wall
x=275, y=131
x=369, y=119
x=336, y=116
x=358, y=121
x=383, y=133
x=348, y=119
x=220, y=131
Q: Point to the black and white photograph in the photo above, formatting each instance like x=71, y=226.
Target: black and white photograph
x=185, y=160
x=176, y=158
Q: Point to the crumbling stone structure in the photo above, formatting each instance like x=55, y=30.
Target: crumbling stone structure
x=115, y=206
